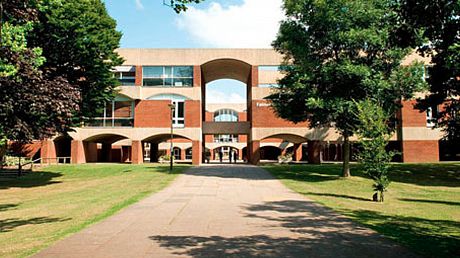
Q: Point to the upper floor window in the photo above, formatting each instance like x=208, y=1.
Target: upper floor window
x=117, y=113
x=178, y=115
x=167, y=76
x=269, y=85
x=432, y=116
x=225, y=138
x=270, y=68
x=126, y=75
x=426, y=72
x=225, y=115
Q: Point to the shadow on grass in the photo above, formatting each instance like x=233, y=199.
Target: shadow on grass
x=8, y=225
x=434, y=238
x=429, y=201
x=439, y=174
x=33, y=179
x=6, y=207
x=339, y=196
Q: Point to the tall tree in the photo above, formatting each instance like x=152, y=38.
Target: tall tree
x=433, y=26
x=34, y=103
x=338, y=52
x=79, y=40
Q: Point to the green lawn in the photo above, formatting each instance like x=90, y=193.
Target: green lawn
x=42, y=207
x=421, y=209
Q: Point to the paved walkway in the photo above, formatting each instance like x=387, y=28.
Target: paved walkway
x=225, y=211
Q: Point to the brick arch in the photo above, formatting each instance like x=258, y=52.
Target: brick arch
x=293, y=138
x=225, y=68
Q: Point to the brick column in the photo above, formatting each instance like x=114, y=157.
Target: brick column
x=420, y=151
x=77, y=152
x=48, y=151
x=297, y=149
x=182, y=154
x=254, y=157
x=138, y=79
x=314, y=152
x=137, y=154
x=196, y=153
x=196, y=76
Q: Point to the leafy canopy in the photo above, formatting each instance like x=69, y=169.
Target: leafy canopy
x=79, y=40
x=336, y=52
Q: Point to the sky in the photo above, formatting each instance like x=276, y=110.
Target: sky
x=211, y=24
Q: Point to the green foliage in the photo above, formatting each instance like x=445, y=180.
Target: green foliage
x=374, y=134
x=433, y=26
x=87, y=56
x=35, y=104
x=336, y=52
x=181, y=5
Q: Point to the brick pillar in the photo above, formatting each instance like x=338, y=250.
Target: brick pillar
x=90, y=151
x=240, y=154
x=255, y=153
x=153, y=152
x=48, y=151
x=182, y=154
x=196, y=153
x=196, y=76
x=137, y=155
x=314, y=152
x=77, y=152
x=297, y=149
x=106, y=152
x=420, y=151
x=138, y=78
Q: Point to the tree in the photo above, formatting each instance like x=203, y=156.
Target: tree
x=338, y=51
x=433, y=26
x=374, y=134
x=35, y=104
x=181, y=5
x=85, y=58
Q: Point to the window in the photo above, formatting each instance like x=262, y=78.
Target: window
x=431, y=116
x=426, y=72
x=269, y=85
x=126, y=75
x=167, y=76
x=188, y=153
x=178, y=115
x=225, y=138
x=179, y=107
x=117, y=113
x=176, y=153
x=225, y=115
x=271, y=68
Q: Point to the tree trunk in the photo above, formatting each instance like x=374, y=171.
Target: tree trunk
x=346, y=156
x=381, y=196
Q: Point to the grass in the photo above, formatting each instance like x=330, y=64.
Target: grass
x=421, y=208
x=43, y=207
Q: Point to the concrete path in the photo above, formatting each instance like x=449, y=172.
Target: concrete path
x=226, y=211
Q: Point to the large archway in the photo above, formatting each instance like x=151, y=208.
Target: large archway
x=102, y=148
x=228, y=121
x=157, y=147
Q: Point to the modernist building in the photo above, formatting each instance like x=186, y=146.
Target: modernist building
x=136, y=126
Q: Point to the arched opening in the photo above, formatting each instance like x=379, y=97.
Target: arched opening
x=227, y=154
x=159, y=148
x=106, y=148
x=290, y=145
x=226, y=89
x=62, y=145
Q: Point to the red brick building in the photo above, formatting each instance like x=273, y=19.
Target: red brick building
x=136, y=126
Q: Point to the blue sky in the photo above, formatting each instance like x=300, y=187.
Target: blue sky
x=212, y=24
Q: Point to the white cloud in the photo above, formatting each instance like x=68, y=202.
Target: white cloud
x=253, y=24
x=139, y=5
x=217, y=97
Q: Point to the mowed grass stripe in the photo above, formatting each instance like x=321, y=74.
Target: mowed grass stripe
x=43, y=207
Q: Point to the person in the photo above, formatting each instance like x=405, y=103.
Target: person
x=220, y=156
x=235, y=155
x=230, y=153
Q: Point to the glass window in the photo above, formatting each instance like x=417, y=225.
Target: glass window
x=116, y=114
x=168, y=76
x=225, y=115
x=178, y=115
x=431, y=116
x=225, y=138
x=152, y=71
x=126, y=75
